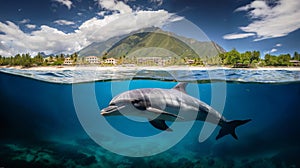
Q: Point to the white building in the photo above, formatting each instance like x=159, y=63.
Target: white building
x=68, y=61
x=152, y=61
x=190, y=61
x=50, y=60
x=111, y=61
x=92, y=59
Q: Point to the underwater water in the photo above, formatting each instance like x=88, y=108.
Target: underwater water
x=39, y=125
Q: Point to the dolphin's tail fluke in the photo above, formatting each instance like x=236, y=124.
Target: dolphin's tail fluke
x=229, y=128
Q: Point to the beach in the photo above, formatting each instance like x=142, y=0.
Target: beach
x=166, y=68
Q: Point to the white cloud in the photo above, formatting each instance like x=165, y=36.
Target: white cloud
x=51, y=40
x=30, y=26
x=64, y=22
x=242, y=8
x=271, y=22
x=257, y=9
x=102, y=13
x=114, y=5
x=67, y=3
x=274, y=49
x=46, y=39
x=271, y=51
x=24, y=21
x=238, y=36
x=158, y=2
x=119, y=24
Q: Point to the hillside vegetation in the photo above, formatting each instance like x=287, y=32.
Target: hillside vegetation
x=124, y=46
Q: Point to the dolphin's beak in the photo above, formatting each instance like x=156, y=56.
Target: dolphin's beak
x=111, y=110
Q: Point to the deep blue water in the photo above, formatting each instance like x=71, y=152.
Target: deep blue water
x=40, y=127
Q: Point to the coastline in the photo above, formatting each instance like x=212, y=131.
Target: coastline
x=116, y=68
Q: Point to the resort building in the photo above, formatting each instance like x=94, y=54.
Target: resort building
x=92, y=60
x=50, y=60
x=68, y=61
x=110, y=61
x=190, y=61
x=295, y=62
x=152, y=61
x=241, y=65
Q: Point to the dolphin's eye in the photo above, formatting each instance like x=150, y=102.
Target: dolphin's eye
x=112, y=104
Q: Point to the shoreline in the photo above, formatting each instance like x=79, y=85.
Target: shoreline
x=115, y=68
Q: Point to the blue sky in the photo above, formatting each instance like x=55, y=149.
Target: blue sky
x=66, y=26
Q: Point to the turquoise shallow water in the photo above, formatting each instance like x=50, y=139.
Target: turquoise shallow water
x=40, y=127
x=79, y=75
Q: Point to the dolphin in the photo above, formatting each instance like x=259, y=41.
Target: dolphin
x=160, y=105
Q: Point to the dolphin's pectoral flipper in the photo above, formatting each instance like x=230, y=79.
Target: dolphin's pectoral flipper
x=164, y=113
x=229, y=128
x=160, y=124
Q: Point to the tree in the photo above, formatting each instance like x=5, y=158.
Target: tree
x=62, y=57
x=296, y=56
x=284, y=59
x=245, y=57
x=222, y=57
x=262, y=63
x=232, y=57
x=75, y=56
x=104, y=57
x=255, y=55
x=271, y=60
x=1, y=60
x=38, y=59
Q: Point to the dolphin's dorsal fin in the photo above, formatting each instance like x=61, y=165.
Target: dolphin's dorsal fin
x=180, y=87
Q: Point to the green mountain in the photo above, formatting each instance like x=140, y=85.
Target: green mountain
x=154, y=43
x=98, y=48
